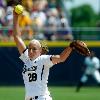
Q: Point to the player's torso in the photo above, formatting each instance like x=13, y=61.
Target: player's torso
x=35, y=76
x=91, y=64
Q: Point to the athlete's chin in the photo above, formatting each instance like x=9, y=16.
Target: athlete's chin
x=32, y=57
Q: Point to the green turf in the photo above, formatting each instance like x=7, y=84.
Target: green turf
x=58, y=93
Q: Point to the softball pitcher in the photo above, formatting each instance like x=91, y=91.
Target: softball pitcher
x=36, y=64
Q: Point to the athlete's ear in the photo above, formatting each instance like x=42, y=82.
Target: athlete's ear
x=41, y=50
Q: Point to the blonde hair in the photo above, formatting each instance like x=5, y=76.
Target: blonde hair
x=44, y=47
x=41, y=44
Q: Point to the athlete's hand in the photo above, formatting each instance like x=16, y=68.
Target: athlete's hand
x=80, y=47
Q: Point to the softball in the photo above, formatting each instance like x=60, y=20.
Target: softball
x=19, y=9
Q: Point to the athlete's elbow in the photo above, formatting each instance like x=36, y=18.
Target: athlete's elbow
x=62, y=60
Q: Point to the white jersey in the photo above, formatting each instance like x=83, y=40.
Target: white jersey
x=35, y=74
x=92, y=64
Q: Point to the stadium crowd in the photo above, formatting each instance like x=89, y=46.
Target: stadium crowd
x=40, y=19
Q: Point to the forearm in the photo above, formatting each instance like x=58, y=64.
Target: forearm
x=16, y=29
x=16, y=34
x=65, y=54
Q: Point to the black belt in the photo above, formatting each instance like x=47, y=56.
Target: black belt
x=35, y=97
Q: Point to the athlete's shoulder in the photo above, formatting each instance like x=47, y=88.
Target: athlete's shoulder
x=46, y=60
x=45, y=56
x=42, y=57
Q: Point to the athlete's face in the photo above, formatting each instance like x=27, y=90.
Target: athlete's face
x=34, y=49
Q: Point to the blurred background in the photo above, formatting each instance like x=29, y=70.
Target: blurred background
x=57, y=22
x=52, y=19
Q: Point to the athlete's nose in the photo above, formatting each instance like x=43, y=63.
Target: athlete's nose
x=31, y=51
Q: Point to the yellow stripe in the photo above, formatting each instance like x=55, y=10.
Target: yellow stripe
x=93, y=43
x=53, y=43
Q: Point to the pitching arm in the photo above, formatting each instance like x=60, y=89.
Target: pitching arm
x=17, y=34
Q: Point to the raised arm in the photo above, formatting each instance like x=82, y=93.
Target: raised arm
x=17, y=34
x=63, y=56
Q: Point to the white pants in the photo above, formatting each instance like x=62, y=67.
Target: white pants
x=42, y=97
x=95, y=74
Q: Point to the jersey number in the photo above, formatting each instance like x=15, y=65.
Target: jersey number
x=32, y=77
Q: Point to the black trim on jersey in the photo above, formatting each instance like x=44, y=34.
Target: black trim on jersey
x=24, y=50
x=42, y=72
x=51, y=58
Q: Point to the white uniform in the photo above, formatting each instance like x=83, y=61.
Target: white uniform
x=35, y=75
x=92, y=66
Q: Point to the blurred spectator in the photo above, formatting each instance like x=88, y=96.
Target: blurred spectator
x=28, y=4
x=64, y=31
x=25, y=24
x=38, y=17
x=9, y=16
x=58, y=25
x=9, y=21
x=39, y=4
x=3, y=3
x=52, y=4
x=2, y=16
x=3, y=34
x=52, y=23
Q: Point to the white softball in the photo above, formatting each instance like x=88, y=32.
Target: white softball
x=19, y=9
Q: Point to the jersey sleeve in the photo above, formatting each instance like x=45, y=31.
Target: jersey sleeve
x=46, y=60
x=24, y=56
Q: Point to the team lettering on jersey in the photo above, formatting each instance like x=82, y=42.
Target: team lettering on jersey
x=33, y=68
